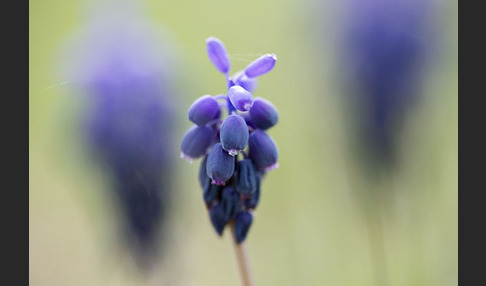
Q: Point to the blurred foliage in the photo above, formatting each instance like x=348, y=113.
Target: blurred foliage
x=308, y=228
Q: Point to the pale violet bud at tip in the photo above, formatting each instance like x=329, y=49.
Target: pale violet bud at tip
x=217, y=54
x=247, y=83
x=261, y=66
x=234, y=134
x=203, y=110
x=240, y=98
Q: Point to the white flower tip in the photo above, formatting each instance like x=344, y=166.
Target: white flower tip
x=189, y=159
x=272, y=167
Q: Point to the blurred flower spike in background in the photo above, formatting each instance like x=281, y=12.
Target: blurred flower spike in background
x=229, y=175
x=385, y=47
x=121, y=68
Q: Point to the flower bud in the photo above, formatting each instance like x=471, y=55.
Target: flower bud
x=203, y=110
x=261, y=66
x=211, y=193
x=247, y=118
x=230, y=202
x=234, y=134
x=220, y=166
x=217, y=54
x=263, y=114
x=246, y=180
x=196, y=142
x=263, y=151
x=240, y=98
x=245, y=82
x=243, y=222
x=217, y=218
x=251, y=201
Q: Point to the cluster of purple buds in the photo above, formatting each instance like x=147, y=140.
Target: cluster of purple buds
x=236, y=150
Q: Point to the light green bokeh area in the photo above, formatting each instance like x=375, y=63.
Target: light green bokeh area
x=309, y=228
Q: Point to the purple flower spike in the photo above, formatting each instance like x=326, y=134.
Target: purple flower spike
x=261, y=66
x=217, y=54
x=263, y=151
x=196, y=142
x=240, y=98
x=245, y=82
x=230, y=183
x=263, y=114
x=234, y=134
x=203, y=110
x=243, y=222
x=220, y=166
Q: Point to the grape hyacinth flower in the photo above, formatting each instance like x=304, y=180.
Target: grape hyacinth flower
x=385, y=47
x=128, y=125
x=236, y=150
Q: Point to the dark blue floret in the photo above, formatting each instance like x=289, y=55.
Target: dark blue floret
x=243, y=222
x=251, y=201
x=196, y=141
x=246, y=177
x=220, y=166
x=263, y=151
x=216, y=216
x=234, y=134
x=263, y=114
x=203, y=110
x=211, y=193
x=230, y=202
x=248, y=121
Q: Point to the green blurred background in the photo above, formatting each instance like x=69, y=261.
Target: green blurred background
x=310, y=228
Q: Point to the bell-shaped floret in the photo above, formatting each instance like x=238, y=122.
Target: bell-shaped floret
x=217, y=218
x=220, y=165
x=263, y=151
x=251, y=201
x=211, y=193
x=242, y=225
x=234, y=134
x=230, y=202
x=203, y=110
x=196, y=142
x=246, y=177
x=240, y=98
x=263, y=114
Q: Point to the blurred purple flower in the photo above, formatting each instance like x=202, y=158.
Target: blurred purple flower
x=385, y=47
x=119, y=65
